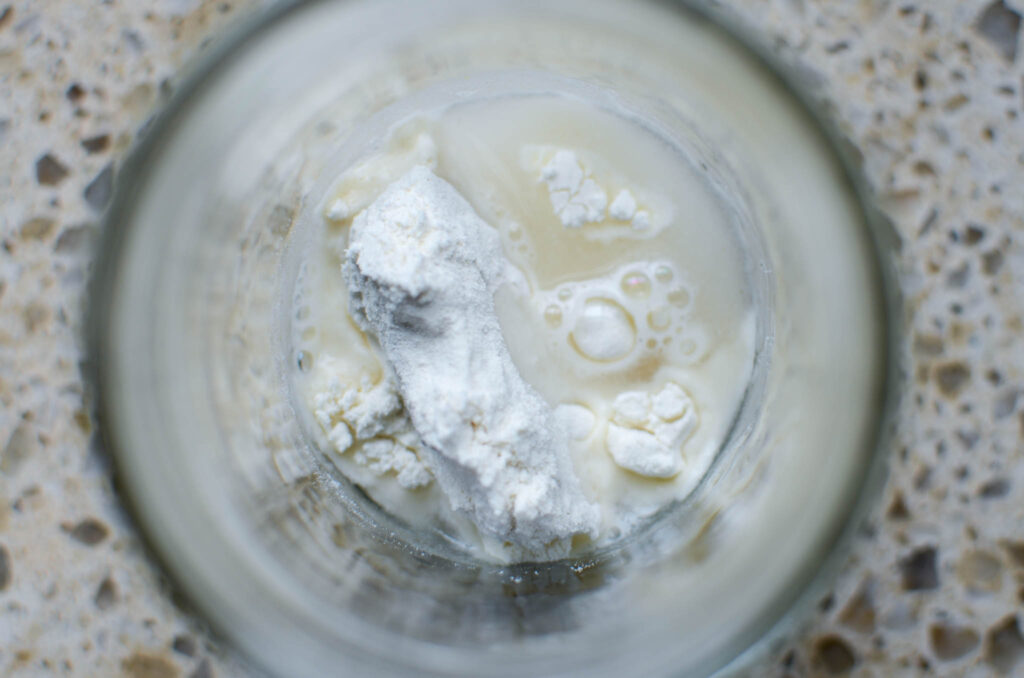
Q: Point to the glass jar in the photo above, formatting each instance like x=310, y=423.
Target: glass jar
x=190, y=330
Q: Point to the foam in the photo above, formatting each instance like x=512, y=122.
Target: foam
x=639, y=310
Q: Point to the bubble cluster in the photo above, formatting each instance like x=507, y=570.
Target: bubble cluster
x=614, y=320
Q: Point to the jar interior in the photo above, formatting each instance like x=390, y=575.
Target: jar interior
x=290, y=559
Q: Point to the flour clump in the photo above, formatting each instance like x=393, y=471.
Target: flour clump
x=422, y=269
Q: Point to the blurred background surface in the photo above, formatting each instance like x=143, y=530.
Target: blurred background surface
x=928, y=95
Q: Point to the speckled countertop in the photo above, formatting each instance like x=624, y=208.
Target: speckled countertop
x=930, y=97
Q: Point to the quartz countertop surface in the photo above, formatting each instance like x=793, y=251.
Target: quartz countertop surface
x=928, y=96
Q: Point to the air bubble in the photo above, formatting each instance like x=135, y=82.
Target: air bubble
x=604, y=332
x=553, y=316
x=636, y=284
x=304, y=360
x=679, y=297
x=565, y=294
x=696, y=343
x=663, y=274
x=659, y=319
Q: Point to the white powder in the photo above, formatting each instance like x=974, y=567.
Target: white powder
x=388, y=456
x=623, y=207
x=641, y=220
x=647, y=432
x=575, y=197
x=422, y=269
x=370, y=419
x=604, y=331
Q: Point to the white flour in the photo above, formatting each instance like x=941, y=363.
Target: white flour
x=487, y=363
x=371, y=419
x=422, y=269
x=577, y=197
x=646, y=432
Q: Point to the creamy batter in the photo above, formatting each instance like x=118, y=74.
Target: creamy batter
x=525, y=324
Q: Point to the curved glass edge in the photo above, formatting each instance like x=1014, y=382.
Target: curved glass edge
x=100, y=289
x=228, y=46
x=885, y=243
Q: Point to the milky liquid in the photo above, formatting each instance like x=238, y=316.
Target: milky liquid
x=614, y=306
